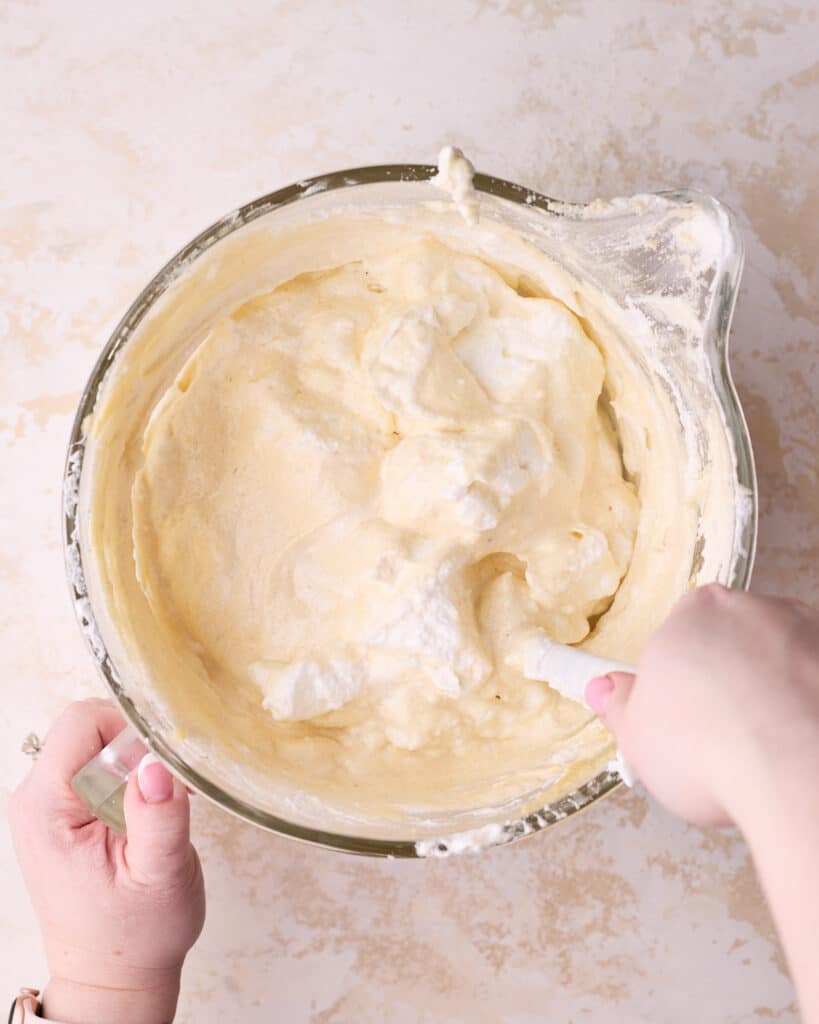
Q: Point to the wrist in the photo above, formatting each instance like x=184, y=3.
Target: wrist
x=774, y=787
x=143, y=998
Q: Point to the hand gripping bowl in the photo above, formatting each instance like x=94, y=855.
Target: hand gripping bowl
x=654, y=275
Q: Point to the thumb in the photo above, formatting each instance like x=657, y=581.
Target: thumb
x=608, y=696
x=157, y=815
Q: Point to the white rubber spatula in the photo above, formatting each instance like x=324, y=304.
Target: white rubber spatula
x=567, y=670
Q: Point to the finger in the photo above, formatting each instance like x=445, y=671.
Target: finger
x=77, y=736
x=608, y=697
x=157, y=815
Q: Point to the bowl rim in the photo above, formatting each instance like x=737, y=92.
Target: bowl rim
x=717, y=342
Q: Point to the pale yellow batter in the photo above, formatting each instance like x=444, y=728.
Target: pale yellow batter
x=325, y=512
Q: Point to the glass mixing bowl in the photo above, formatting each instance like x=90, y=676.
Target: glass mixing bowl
x=635, y=254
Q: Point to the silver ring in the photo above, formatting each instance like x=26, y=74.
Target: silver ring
x=32, y=745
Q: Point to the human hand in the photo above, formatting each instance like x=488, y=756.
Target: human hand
x=724, y=707
x=117, y=914
x=721, y=722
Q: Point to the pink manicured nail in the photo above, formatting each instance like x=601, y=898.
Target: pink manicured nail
x=598, y=691
x=155, y=781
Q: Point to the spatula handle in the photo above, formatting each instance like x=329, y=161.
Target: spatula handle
x=100, y=784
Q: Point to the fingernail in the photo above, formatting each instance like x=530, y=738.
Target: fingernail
x=155, y=781
x=598, y=691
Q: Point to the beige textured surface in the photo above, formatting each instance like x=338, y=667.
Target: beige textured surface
x=124, y=134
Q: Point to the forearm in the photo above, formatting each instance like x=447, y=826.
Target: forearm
x=781, y=825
